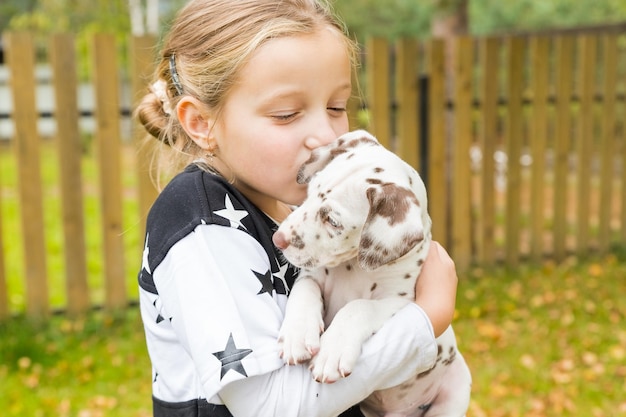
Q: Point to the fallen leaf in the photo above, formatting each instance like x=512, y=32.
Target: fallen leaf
x=528, y=361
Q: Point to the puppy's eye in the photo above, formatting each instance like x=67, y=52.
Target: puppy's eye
x=332, y=222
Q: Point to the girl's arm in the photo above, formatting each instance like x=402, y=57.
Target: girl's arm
x=402, y=348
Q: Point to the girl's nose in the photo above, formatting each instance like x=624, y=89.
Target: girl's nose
x=323, y=134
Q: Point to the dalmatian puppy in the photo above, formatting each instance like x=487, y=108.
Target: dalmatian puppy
x=360, y=239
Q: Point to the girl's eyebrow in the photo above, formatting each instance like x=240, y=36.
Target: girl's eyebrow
x=346, y=86
x=292, y=91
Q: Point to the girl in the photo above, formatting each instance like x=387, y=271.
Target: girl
x=244, y=91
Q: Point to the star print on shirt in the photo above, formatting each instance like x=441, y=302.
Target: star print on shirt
x=266, y=282
x=159, y=308
x=230, y=213
x=280, y=282
x=231, y=358
x=146, y=251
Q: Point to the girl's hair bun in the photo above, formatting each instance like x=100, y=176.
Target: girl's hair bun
x=151, y=114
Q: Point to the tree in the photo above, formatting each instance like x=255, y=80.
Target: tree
x=450, y=18
x=144, y=20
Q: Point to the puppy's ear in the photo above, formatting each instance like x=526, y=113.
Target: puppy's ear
x=393, y=227
x=322, y=156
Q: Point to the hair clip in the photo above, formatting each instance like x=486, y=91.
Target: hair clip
x=174, y=74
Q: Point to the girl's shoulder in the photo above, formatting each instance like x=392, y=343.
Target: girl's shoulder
x=194, y=194
x=197, y=197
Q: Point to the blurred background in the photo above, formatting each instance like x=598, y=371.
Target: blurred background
x=512, y=111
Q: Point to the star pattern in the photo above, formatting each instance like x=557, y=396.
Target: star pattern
x=280, y=282
x=146, y=251
x=231, y=358
x=266, y=282
x=159, y=308
x=231, y=214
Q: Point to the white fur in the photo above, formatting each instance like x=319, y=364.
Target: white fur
x=360, y=238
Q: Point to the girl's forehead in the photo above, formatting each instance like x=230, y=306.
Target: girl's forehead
x=313, y=46
x=293, y=69
x=315, y=57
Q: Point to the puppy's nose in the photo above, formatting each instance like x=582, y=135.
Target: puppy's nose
x=279, y=240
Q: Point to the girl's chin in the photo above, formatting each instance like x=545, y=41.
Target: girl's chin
x=294, y=199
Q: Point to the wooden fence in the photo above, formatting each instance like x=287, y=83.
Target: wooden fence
x=520, y=139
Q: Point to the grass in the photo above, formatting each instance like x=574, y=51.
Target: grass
x=97, y=366
x=541, y=340
x=546, y=341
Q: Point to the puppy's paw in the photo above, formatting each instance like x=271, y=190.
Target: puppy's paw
x=336, y=357
x=299, y=338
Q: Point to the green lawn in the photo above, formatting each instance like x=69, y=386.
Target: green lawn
x=541, y=341
x=84, y=368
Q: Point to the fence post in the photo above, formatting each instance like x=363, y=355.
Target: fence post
x=142, y=66
x=4, y=294
x=407, y=93
x=607, y=140
x=437, y=141
x=109, y=149
x=378, y=93
x=461, y=229
x=513, y=138
x=564, y=60
x=21, y=61
x=63, y=60
x=587, y=58
x=489, y=118
x=539, y=73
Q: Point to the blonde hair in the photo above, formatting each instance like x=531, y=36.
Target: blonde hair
x=206, y=47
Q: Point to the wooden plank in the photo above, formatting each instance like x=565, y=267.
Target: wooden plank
x=4, y=292
x=437, y=177
x=63, y=61
x=564, y=69
x=407, y=97
x=378, y=90
x=489, y=63
x=610, y=52
x=20, y=53
x=540, y=71
x=513, y=139
x=587, y=57
x=108, y=143
x=355, y=103
x=142, y=67
x=462, y=219
x=622, y=159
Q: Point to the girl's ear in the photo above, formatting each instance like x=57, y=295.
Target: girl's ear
x=195, y=120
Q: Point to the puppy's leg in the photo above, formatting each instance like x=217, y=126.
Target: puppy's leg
x=340, y=345
x=299, y=337
x=454, y=397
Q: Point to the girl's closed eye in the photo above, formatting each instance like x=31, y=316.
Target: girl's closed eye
x=284, y=117
x=338, y=111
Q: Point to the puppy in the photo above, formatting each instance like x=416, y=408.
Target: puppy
x=360, y=239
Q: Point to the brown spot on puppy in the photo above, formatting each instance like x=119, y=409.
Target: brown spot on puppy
x=391, y=202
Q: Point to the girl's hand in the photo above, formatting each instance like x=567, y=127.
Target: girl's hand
x=435, y=291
